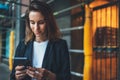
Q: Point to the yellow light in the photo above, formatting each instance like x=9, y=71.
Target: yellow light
x=11, y=50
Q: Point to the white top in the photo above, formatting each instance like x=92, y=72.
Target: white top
x=38, y=53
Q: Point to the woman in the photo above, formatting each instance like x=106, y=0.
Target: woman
x=47, y=54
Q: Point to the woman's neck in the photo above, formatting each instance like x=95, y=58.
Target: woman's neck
x=39, y=39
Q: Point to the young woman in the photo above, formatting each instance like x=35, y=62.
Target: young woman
x=47, y=54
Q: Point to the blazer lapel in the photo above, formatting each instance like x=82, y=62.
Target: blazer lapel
x=48, y=52
x=29, y=52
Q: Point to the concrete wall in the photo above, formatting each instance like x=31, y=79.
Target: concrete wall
x=63, y=19
x=63, y=23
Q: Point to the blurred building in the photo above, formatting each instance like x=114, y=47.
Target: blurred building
x=70, y=16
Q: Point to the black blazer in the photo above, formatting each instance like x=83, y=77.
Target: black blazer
x=56, y=58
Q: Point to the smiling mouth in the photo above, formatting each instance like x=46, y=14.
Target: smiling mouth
x=38, y=32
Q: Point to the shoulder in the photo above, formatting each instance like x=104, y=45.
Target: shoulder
x=21, y=43
x=59, y=42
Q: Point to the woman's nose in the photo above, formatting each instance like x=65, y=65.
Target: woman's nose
x=36, y=26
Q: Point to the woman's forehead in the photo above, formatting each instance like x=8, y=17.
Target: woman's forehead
x=35, y=14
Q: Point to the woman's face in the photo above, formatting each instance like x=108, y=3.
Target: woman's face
x=37, y=23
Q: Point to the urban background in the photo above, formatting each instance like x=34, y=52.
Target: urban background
x=92, y=35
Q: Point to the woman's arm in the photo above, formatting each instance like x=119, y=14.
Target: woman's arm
x=19, y=52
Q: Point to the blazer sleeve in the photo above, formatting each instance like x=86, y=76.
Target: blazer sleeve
x=64, y=62
x=19, y=52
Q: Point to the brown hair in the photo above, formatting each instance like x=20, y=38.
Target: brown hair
x=52, y=30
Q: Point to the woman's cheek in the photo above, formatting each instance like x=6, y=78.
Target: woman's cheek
x=32, y=28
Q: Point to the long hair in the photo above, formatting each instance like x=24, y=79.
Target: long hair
x=52, y=30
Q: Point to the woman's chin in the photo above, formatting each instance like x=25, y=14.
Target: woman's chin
x=37, y=35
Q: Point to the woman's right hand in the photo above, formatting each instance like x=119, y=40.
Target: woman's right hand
x=20, y=72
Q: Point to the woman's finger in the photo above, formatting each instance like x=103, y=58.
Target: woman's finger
x=43, y=71
x=20, y=75
x=19, y=67
x=20, y=72
x=31, y=68
x=30, y=73
x=38, y=75
x=39, y=69
x=35, y=74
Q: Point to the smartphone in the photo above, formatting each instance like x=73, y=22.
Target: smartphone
x=21, y=61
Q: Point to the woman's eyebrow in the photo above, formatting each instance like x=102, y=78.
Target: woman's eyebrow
x=31, y=20
x=39, y=20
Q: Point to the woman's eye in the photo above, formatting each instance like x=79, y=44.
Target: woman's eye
x=38, y=23
x=32, y=23
x=41, y=22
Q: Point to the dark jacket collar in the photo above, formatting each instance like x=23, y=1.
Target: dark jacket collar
x=29, y=52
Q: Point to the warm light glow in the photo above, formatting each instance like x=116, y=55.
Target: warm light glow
x=104, y=26
x=106, y=17
x=98, y=3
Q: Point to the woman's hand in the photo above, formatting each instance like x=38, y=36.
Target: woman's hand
x=41, y=74
x=20, y=72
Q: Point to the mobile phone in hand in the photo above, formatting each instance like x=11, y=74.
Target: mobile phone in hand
x=23, y=61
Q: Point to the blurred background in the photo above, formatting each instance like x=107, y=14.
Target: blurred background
x=72, y=17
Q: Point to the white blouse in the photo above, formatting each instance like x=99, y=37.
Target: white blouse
x=38, y=53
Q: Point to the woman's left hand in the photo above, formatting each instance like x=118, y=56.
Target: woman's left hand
x=40, y=73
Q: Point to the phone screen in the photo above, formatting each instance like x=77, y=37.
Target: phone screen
x=21, y=61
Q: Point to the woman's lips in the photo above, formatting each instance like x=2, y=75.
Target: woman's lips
x=37, y=33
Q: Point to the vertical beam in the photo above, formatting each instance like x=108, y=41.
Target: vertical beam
x=17, y=28
x=118, y=77
x=88, y=44
x=11, y=50
x=0, y=48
